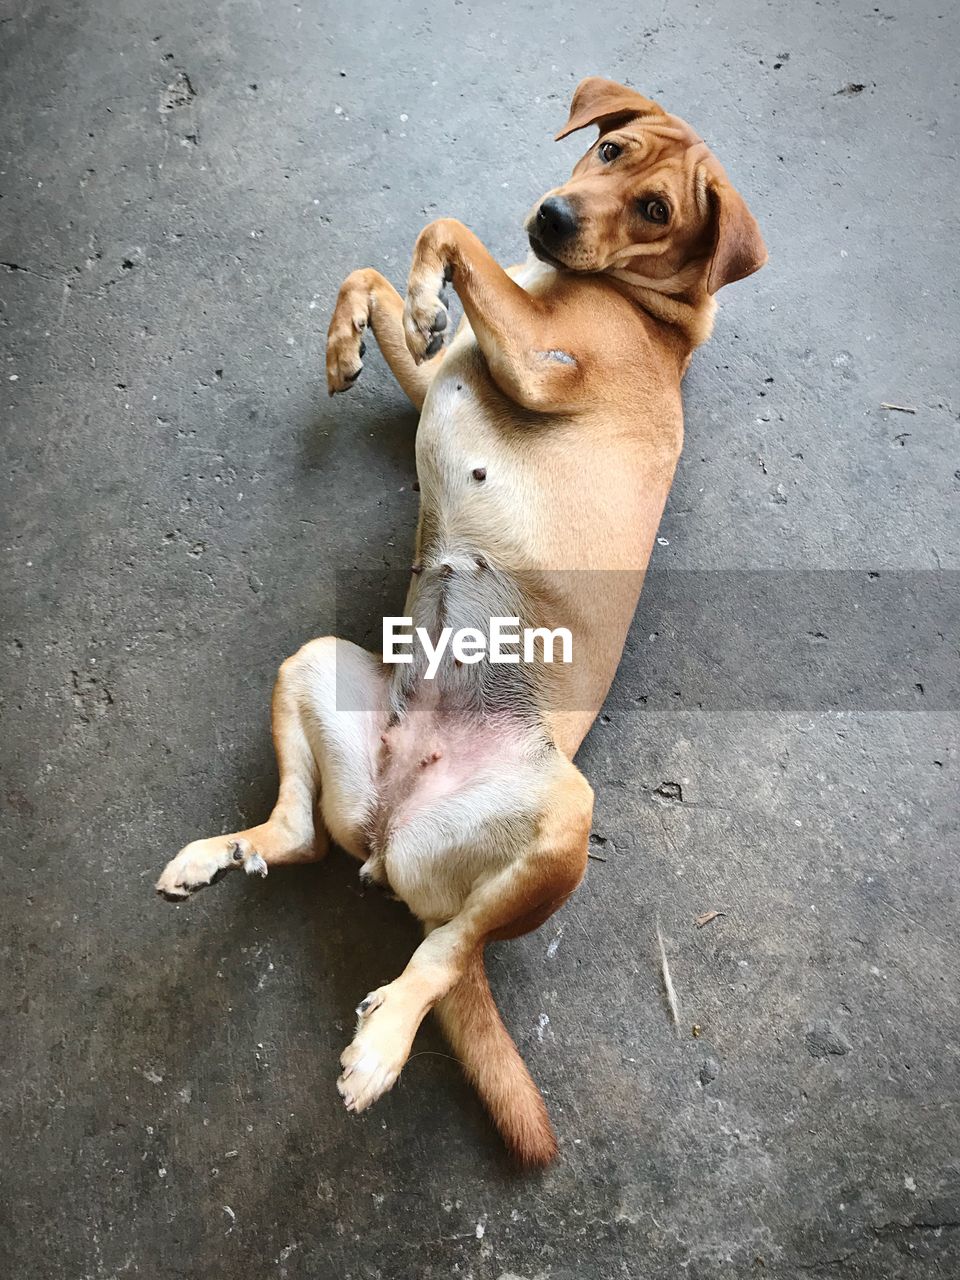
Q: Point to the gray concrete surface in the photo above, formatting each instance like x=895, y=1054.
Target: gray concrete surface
x=183, y=187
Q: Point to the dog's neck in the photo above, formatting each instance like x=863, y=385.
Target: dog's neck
x=691, y=311
x=679, y=300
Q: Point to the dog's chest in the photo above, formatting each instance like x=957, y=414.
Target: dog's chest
x=466, y=449
x=470, y=448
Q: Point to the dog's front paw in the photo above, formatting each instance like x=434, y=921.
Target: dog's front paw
x=204, y=862
x=345, y=354
x=345, y=345
x=425, y=317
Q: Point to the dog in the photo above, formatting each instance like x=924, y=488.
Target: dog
x=550, y=429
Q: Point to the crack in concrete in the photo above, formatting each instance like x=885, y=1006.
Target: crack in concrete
x=15, y=268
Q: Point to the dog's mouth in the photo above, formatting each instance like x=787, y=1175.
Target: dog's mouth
x=544, y=254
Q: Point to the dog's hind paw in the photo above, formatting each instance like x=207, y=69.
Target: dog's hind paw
x=372, y=1063
x=204, y=862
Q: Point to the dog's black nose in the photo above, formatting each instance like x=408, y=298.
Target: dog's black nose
x=556, y=220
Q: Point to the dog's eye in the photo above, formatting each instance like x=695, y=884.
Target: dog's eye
x=608, y=151
x=655, y=211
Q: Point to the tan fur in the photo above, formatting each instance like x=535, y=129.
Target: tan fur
x=561, y=392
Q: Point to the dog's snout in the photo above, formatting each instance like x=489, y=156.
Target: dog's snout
x=556, y=220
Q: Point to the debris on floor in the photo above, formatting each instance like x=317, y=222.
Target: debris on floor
x=668, y=987
x=706, y=918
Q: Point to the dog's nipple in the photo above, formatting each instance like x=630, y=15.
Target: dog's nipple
x=479, y=473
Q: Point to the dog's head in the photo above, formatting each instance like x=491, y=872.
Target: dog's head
x=648, y=203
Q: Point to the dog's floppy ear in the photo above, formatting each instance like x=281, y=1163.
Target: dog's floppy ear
x=738, y=248
x=599, y=101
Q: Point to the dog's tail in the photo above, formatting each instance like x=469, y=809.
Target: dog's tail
x=473, y=1026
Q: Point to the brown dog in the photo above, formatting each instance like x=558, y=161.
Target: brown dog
x=550, y=431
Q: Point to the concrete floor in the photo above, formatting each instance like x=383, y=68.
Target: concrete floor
x=183, y=188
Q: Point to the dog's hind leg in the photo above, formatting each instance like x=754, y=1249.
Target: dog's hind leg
x=328, y=704
x=508, y=901
x=367, y=298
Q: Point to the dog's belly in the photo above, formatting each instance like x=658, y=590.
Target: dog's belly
x=534, y=491
x=473, y=484
x=457, y=797
x=532, y=516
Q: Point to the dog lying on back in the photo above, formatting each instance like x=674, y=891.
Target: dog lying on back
x=550, y=429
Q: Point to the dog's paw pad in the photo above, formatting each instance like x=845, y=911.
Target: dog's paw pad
x=425, y=318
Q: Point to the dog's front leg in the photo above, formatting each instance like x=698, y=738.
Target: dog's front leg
x=533, y=355
x=367, y=298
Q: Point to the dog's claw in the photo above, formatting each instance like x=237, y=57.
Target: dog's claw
x=373, y=1000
